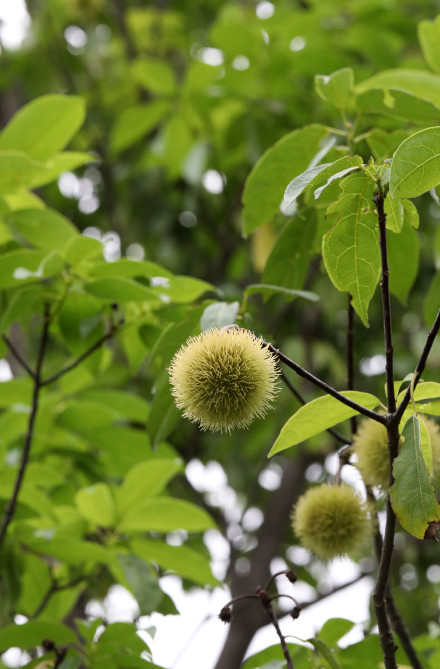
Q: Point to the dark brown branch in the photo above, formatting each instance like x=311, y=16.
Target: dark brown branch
x=420, y=365
x=17, y=355
x=78, y=361
x=379, y=200
x=274, y=620
x=10, y=507
x=325, y=387
x=337, y=435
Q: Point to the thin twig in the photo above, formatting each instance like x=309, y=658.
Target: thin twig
x=265, y=601
x=324, y=386
x=17, y=355
x=55, y=587
x=337, y=435
x=10, y=507
x=78, y=361
x=420, y=365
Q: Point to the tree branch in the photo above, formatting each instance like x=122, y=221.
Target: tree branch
x=78, y=361
x=11, y=505
x=17, y=355
x=324, y=386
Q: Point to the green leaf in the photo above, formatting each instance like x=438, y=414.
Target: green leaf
x=155, y=75
x=351, y=248
x=20, y=304
x=183, y=560
x=383, y=144
x=336, y=170
x=432, y=300
x=31, y=635
x=219, y=314
x=79, y=249
x=164, y=415
x=44, y=126
x=129, y=268
x=143, y=583
x=65, y=161
x=336, y=88
x=317, y=416
x=428, y=390
x=72, y=551
x=412, y=494
x=182, y=289
x=410, y=213
x=80, y=321
x=416, y=164
x=166, y=514
x=16, y=391
x=334, y=629
x=265, y=185
x=429, y=38
x=81, y=415
x=394, y=213
x=96, y=505
x=289, y=258
x=403, y=260
x=121, y=289
x=300, y=183
x=43, y=228
x=145, y=480
x=136, y=122
x=401, y=105
x=18, y=171
x=325, y=652
x=424, y=85
x=289, y=294
x=123, y=404
x=24, y=265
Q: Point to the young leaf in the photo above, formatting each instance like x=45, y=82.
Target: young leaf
x=44, y=126
x=429, y=38
x=336, y=88
x=322, y=648
x=412, y=494
x=403, y=260
x=166, y=514
x=416, y=164
x=400, y=105
x=18, y=171
x=264, y=188
x=136, y=122
x=394, y=213
x=340, y=168
x=96, y=504
x=43, y=228
x=147, y=479
x=351, y=248
x=219, y=314
x=425, y=85
x=317, y=416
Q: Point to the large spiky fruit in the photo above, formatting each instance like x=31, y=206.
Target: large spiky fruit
x=331, y=521
x=371, y=447
x=224, y=378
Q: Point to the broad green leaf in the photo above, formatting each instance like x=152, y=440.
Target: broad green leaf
x=120, y=448
x=30, y=496
x=336, y=88
x=334, y=629
x=428, y=390
x=351, y=248
x=121, y=289
x=429, y=38
x=120, y=634
x=164, y=415
x=123, y=404
x=24, y=265
x=43, y=228
x=336, y=170
x=317, y=416
x=81, y=415
x=432, y=300
x=145, y=480
x=136, y=122
x=79, y=249
x=300, y=183
x=288, y=158
x=416, y=164
x=401, y=105
x=321, y=647
x=423, y=84
x=154, y=75
x=171, y=339
x=394, y=213
x=44, y=126
x=273, y=657
x=426, y=447
x=72, y=551
x=18, y=171
x=80, y=321
x=63, y=162
x=183, y=560
x=96, y=505
x=184, y=288
x=410, y=213
x=20, y=304
x=219, y=314
x=289, y=258
x=383, y=144
x=165, y=514
x=288, y=293
x=412, y=494
x=32, y=633
x=23, y=199
x=16, y=391
x=403, y=260
x=142, y=582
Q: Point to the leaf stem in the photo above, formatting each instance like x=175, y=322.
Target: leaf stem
x=17, y=355
x=11, y=505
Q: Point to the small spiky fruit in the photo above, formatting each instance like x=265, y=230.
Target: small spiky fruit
x=224, y=378
x=371, y=447
x=331, y=521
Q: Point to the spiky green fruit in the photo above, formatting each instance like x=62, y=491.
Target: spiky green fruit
x=224, y=378
x=331, y=521
x=371, y=447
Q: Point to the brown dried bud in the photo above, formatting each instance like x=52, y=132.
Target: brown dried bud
x=225, y=614
x=295, y=612
x=291, y=576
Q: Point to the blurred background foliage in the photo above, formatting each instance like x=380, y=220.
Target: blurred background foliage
x=182, y=99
